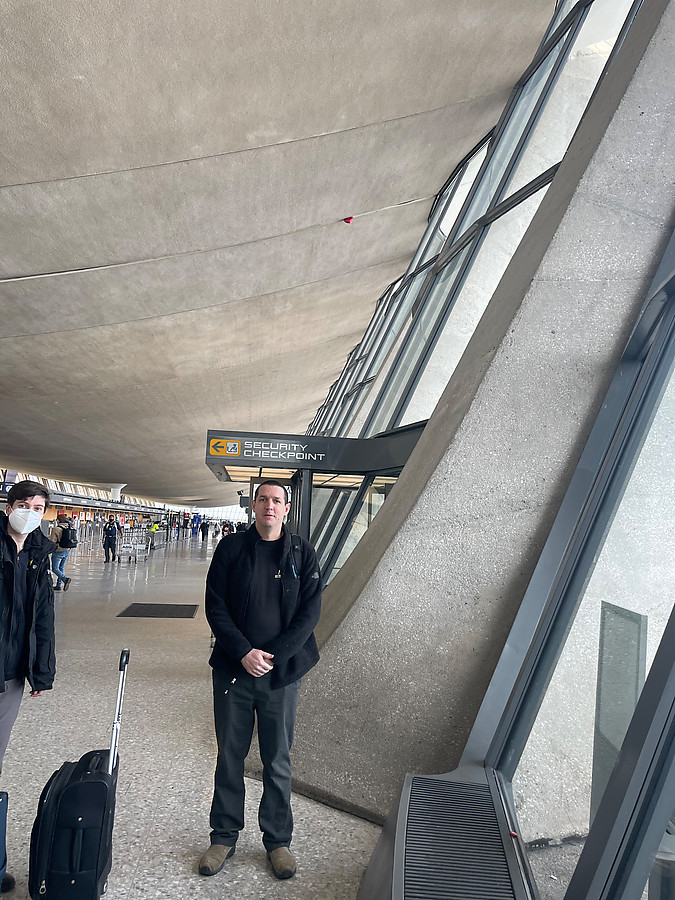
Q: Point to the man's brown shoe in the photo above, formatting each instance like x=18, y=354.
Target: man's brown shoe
x=283, y=862
x=213, y=859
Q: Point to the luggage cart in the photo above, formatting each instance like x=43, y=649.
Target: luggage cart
x=142, y=545
x=134, y=543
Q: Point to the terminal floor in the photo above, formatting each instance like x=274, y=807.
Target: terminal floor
x=167, y=748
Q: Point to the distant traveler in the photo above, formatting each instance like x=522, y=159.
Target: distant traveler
x=110, y=530
x=204, y=528
x=26, y=607
x=65, y=537
x=263, y=599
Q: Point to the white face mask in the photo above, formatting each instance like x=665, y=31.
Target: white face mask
x=23, y=521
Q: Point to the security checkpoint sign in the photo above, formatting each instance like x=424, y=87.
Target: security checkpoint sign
x=292, y=451
x=302, y=451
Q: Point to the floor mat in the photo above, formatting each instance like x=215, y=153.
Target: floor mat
x=160, y=611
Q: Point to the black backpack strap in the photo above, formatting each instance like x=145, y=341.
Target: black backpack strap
x=296, y=544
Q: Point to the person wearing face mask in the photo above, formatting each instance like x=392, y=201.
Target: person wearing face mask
x=110, y=530
x=26, y=608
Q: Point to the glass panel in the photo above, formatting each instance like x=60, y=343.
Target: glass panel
x=363, y=516
x=340, y=511
x=448, y=214
x=397, y=314
x=499, y=245
x=563, y=10
x=330, y=495
x=323, y=508
x=566, y=104
x=403, y=304
x=589, y=688
x=662, y=878
x=319, y=508
x=420, y=331
x=431, y=228
x=520, y=114
x=375, y=324
x=343, y=422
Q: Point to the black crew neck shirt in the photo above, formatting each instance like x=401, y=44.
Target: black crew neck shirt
x=263, y=612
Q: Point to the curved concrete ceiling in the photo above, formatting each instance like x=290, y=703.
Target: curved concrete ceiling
x=173, y=180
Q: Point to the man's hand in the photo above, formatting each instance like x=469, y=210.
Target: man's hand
x=257, y=662
x=36, y=693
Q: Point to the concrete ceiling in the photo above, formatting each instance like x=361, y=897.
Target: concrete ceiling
x=173, y=180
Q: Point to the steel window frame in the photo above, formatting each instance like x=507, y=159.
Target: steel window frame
x=451, y=184
x=475, y=235
x=570, y=26
x=393, y=306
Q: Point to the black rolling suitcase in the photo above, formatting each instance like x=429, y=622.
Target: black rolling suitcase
x=71, y=841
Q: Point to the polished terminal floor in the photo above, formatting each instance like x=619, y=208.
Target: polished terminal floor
x=167, y=747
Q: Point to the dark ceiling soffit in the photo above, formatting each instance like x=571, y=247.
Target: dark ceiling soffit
x=354, y=456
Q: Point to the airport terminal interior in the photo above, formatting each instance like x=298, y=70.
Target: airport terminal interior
x=167, y=744
x=416, y=263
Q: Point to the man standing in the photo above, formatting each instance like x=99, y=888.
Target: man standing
x=26, y=607
x=110, y=530
x=263, y=599
x=60, y=534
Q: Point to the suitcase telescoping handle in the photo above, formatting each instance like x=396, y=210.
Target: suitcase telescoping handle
x=115, y=738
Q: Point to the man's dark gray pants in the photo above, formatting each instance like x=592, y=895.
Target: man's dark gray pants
x=235, y=706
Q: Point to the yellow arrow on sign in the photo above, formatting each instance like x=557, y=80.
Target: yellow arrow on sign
x=220, y=447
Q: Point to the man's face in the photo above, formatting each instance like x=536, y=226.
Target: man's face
x=270, y=506
x=112, y=520
x=35, y=503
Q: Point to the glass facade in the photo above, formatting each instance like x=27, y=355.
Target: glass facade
x=594, y=689
x=424, y=321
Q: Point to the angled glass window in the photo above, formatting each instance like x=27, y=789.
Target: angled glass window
x=496, y=250
x=331, y=497
x=366, y=506
x=396, y=324
x=448, y=210
x=564, y=8
x=421, y=330
x=548, y=141
x=506, y=141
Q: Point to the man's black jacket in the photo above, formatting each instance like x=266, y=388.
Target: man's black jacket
x=41, y=662
x=228, y=584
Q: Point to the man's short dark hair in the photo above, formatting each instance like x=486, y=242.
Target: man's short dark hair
x=273, y=483
x=22, y=490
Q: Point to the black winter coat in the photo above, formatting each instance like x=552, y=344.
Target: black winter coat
x=228, y=584
x=41, y=663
